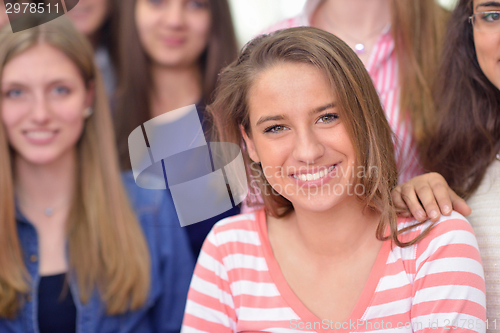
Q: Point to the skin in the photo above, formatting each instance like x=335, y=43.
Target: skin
x=295, y=127
x=354, y=21
x=89, y=15
x=427, y=197
x=487, y=44
x=174, y=34
x=42, y=110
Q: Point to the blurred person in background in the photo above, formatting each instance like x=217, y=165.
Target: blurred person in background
x=76, y=253
x=171, y=53
x=464, y=147
x=98, y=21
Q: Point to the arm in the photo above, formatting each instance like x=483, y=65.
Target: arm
x=431, y=191
x=449, y=289
x=210, y=305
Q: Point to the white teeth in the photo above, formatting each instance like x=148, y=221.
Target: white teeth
x=314, y=176
x=39, y=135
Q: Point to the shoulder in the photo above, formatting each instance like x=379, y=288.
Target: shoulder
x=302, y=19
x=454, y=224
x=141, y=198
x=284, y=24
x=242, y=228
x=235, y=238
x=157, y=216
x=154, y=207
x=450, y=237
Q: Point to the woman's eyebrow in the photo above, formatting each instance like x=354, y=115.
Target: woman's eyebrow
x=270, y=118
x=323, y=108
x=281, y=117
x=488, y=4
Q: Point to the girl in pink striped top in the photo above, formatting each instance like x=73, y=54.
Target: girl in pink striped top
x=327, y=251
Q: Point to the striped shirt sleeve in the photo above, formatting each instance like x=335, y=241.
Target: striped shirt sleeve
x=448, y=288
x=210, y=305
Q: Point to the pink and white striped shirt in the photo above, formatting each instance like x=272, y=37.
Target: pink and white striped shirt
x=383, y=69
x=431, y=286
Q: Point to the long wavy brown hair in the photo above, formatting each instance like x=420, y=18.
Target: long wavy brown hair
x=132, y=107
x=466, y=134
x=107, y=249
x=359, y=105
x=419, y=28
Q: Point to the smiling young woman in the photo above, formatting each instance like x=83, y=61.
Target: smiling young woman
x=81, y=247
x=327, y=250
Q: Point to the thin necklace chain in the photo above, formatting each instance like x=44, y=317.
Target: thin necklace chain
x=48, y=210
x=360, y=46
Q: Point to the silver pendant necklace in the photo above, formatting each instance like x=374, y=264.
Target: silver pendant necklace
x=47, y=211
x=359, y=47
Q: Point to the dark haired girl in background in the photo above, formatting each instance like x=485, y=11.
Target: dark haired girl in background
x=171, y=53
x=465, y=145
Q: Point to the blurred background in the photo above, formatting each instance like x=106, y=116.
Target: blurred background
x=253, y=16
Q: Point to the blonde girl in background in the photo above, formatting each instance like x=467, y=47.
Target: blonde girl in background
x=82, y=248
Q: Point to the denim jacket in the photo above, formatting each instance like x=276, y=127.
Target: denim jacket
x=171, y=270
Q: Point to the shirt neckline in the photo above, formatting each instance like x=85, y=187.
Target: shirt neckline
x=294, y=302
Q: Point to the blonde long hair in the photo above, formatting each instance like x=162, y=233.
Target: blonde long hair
x=107, y=248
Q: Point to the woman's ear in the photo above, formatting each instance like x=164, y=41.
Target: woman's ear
x=252, y=152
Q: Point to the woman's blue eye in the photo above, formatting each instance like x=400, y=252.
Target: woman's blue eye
x=61, y=90
x=491, y=17
x=197, y=4
x=328, y=118
x=275, y=129
x=14, y=93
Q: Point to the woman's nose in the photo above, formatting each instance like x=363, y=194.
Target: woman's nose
x=40, y=111
x=173, y=14
x=308, y=148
